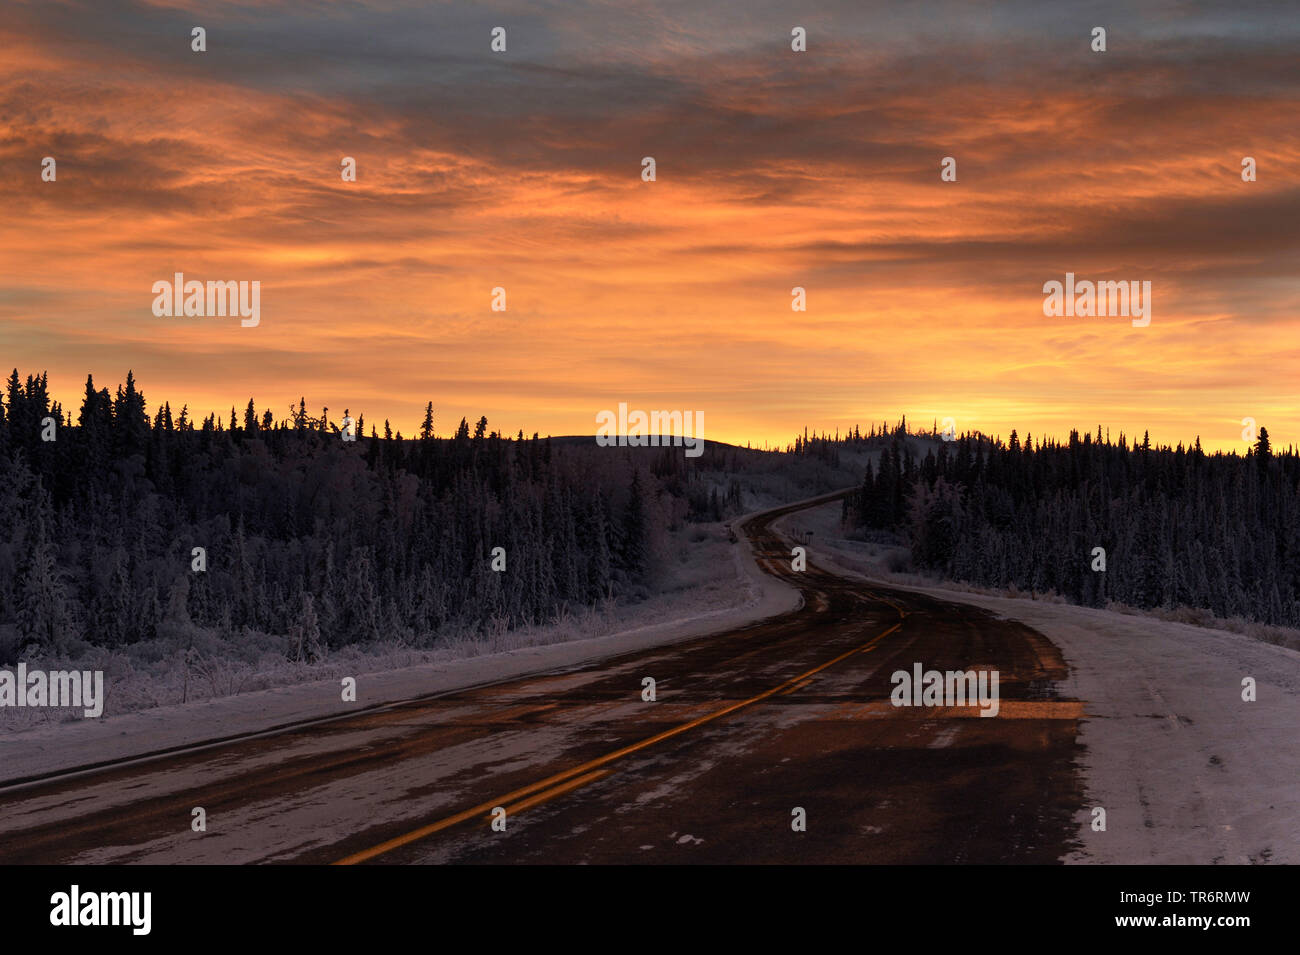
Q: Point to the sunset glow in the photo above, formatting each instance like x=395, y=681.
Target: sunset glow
x=774, y=169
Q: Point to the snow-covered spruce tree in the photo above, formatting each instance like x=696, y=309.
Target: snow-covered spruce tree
x=44, y=615
x=305, y=644
x=634, y=554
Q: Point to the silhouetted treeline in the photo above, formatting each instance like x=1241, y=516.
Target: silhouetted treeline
x=326, y=541
x=1179, y=527
x=826, y=446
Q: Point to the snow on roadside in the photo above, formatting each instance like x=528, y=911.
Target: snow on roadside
x=731, y=600
x=1187, y=772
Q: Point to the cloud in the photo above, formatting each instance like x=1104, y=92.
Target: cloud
x=775, y=169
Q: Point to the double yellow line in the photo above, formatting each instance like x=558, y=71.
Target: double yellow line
x=571, y=779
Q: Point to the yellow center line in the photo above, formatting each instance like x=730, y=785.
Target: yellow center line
x=901, y=612
x=557, y=791
x=417, y=834
x=797, y=687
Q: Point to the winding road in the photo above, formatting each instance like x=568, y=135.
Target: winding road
x=773, y=743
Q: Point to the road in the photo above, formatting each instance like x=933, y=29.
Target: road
x=747, y=728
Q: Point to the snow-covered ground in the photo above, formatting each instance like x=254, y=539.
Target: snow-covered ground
x=735, y=593
x=1186, y=770
x=702, y=576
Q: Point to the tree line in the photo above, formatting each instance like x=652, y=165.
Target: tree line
x=302, y=534
x=1176, y=526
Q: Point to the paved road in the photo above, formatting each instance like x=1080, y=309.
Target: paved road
x=747, y=727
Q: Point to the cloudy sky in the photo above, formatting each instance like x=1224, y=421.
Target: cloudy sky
x=775, y=169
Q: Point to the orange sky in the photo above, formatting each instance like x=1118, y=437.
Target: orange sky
x=775, y=169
